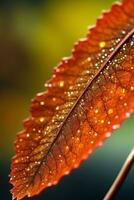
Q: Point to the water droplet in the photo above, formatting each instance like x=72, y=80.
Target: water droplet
x=42, y=119
x=96, y=111
x=102, y=121
x=132, y=88
x=110, y=111
x=27, y=135
x=61, y=83
x=42, y=103
x=102, y=44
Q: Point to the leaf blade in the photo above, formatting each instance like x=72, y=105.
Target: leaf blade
x=50, y=110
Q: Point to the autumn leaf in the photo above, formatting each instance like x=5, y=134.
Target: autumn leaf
x=89, y=95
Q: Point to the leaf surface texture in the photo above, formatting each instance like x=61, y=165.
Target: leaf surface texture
x=89, y=95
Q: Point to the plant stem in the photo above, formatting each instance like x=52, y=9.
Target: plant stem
x=121, y=176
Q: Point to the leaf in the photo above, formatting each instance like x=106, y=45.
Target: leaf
x=89, y=95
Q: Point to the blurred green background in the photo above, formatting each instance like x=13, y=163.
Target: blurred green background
x=34, y=36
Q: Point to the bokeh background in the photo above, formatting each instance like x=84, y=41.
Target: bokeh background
x=34, y=36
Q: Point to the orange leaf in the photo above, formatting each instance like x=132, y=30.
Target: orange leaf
x=89, y=95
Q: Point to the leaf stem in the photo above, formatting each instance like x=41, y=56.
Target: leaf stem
x=121, y=176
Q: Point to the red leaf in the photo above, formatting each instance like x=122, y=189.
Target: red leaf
x=89, y=95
